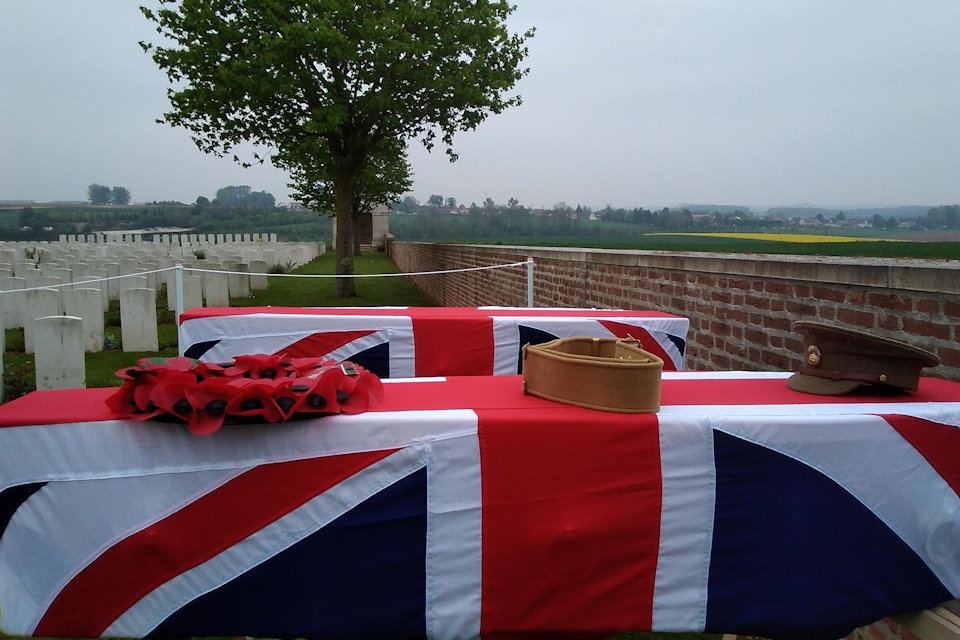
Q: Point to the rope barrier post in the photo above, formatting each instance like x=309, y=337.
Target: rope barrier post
x=178, y=283
x=529, y=281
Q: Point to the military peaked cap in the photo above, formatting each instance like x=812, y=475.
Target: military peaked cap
x=836, y=360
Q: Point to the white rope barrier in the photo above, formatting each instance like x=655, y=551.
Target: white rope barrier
x=179, y=268
x=365, y=275
x=90, y=281
x=528, y=263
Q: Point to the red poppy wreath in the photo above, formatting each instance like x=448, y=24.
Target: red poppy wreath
x=254, y=388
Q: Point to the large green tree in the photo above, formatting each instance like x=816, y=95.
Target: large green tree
x=348, y=73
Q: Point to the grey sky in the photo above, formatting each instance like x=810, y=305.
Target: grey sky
x=629, y=102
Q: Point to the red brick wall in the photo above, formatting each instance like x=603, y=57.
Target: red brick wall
x=740, y=306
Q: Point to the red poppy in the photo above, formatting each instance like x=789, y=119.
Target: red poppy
x=256, y=366
x=210, y=400
x=254, y=398
x=286, y=398
x=371, y=382
x=315, y=394
x=122, y=401
x=305, y=366
x=169, y=393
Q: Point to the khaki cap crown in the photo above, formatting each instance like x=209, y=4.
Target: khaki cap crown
x=838, y=360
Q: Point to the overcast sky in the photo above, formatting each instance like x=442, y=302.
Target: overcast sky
x=628, y=102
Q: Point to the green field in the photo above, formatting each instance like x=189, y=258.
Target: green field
x=872, y=248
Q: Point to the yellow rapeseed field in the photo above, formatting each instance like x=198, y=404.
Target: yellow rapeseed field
x=774, y=237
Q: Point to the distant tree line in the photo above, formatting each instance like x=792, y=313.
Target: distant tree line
x=944, y=217
x=240, y=197
x=30, y=223
x=102, y=194
x=443, y=218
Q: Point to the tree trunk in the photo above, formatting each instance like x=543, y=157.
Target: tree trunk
x=343, y=243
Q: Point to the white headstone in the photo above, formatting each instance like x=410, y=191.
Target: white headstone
x=87, y=304
x=59, y=356
x=170, y=283
x=63, y=274
x=270, y=257
x=192, y=292
x=258, y=274
x=238, y=282
x=216, y=291
x=12, y=304
x=113, y=285
x=138, y=320
x=103, y=285
x=33, y=276
x=39, y=303
x=131, y=282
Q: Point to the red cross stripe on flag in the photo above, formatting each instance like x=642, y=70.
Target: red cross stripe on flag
x=421, y=342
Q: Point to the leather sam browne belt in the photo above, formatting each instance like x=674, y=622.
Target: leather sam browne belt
x=609, y=374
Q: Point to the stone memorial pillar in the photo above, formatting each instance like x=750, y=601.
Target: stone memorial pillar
x=138, y=319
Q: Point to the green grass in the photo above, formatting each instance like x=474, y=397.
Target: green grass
x=101, y=368
x=319, y=292
x=650, y=242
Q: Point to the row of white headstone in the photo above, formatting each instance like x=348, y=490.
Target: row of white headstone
x=59, y=291
x=155, y=237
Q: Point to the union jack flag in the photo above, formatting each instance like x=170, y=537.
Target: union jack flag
x=803, y=517
x=422, y=342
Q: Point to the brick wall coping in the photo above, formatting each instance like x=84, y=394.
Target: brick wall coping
x=939, y=276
